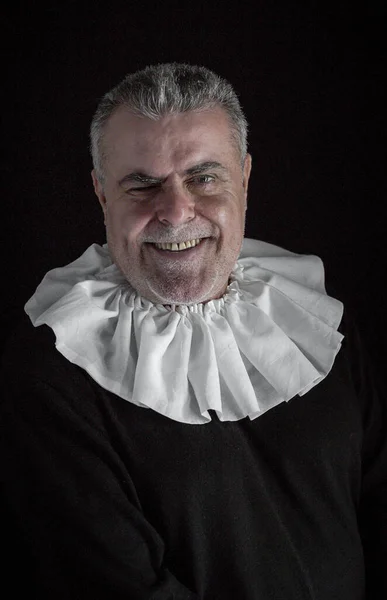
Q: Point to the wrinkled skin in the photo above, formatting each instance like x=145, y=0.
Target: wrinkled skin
x=181, y=207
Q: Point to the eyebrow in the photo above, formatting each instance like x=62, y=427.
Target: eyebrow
x=140, y=177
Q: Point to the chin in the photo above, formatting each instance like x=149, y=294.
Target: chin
x=188, y=296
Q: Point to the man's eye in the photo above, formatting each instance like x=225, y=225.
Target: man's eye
x=144, y=188
x=203, y=179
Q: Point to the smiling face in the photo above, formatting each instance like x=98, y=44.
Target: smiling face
x=173, y=180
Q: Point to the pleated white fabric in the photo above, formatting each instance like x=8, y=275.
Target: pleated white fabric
x=273, y=334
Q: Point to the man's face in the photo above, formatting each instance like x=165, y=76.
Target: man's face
x=158, y=189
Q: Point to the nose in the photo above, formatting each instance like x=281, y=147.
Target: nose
x=175, y=206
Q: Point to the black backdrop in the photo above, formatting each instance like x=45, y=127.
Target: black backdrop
x=311, y=81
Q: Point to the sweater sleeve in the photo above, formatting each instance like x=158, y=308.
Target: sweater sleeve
x=72, y=499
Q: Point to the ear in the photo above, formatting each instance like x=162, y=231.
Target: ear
x=99, y=192
x=246, y=173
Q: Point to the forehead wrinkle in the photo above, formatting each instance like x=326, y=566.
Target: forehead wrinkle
x=165, y=152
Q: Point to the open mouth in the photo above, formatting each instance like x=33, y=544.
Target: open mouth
x=175, y=252
x=180, y=247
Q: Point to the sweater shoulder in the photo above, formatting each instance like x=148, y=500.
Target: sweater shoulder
x=29, y=347
x=35, y=376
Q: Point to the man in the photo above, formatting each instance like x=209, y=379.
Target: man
x=186, y=420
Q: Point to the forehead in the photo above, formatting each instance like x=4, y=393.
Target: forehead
x=169, y=143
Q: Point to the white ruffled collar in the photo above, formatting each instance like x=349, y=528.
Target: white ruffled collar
x=271, y=336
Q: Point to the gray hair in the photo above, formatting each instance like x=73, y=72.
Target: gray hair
x=169, y=88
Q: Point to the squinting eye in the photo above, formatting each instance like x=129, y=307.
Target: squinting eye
x=142, y=189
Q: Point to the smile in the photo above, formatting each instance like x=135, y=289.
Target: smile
x=176, y=247
x=177, y=252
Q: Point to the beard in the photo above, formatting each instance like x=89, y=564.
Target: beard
x=172, y=283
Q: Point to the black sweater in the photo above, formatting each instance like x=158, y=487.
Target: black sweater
x=113, y=501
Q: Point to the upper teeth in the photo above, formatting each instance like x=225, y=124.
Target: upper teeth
x=181, y=246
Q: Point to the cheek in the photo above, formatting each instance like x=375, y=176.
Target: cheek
x=125, y=222
x=228, y=217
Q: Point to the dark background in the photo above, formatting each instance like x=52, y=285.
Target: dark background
x=311, y=81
